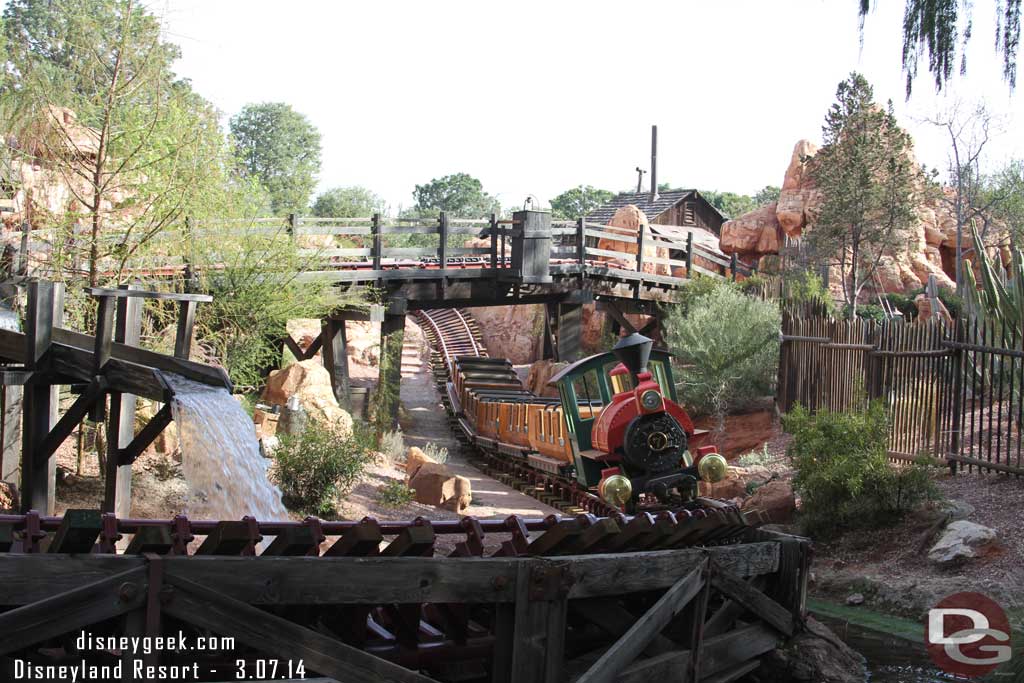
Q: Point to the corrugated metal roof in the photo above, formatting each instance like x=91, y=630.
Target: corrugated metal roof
x=642, y=200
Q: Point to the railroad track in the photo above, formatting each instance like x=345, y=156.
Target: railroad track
x=452, y=333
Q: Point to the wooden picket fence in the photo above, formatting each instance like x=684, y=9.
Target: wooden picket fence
x=953, y=390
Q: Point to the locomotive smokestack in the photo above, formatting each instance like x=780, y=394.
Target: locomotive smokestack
x=654, y=163
x=634, y=351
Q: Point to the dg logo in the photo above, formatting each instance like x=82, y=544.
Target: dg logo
x=968, y=634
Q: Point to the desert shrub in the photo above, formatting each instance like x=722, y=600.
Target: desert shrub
x=902, y=303
x=317, y=466
x=865, y=312
x=843, y=472
x=392, y=445
x=755, y=458
x=395, y=494
x=730, y=345
x=806, y=287
x=435, y=452
x=695, y=290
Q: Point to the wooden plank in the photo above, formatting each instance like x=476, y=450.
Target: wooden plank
x=754, y=601
x=615, y=620
x=36, y=490
x=77, y=533
x=629, y=646
x=274, y=636
x=146, y=436
x=70, y=610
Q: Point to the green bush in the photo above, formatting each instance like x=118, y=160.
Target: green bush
x=866, y=312
x=728, y=344
x=843, y=472
x=903, y=303
x=695, y=290
x=317, y=466
x=805, y=287
x=395, y=494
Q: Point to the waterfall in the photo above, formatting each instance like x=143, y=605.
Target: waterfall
x=221, y=460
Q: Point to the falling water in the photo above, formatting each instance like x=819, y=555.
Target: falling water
x=221, y=461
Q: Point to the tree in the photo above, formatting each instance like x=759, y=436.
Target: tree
x=1007, y=187
x=767, y=195
x=868, y=179
x=92, y=99
x=347, y=202
x=730, y=204
x=578, y=201
x=280, y=148
x=945, y=28
x=459, y=194
x=969, y=134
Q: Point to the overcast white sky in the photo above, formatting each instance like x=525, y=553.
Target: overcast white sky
x=536, y=97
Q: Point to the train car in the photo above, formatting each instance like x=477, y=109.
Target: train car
x=616, y=428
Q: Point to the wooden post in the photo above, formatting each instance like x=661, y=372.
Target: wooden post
x=538, y=633
x=292, y=226
x=26, y=228
x=570, y=319
x=186, y=323
x=51, y=467
x=956, y=405
x=442, y=252
x=640, y=249
x=121, y=421
x=36, y=493
x=689, y=254
x=102, y=348
x=377, y=247
x=581, y=241
x=732, y=266
x=494, y=240
x=550, y=347
x=334, y=352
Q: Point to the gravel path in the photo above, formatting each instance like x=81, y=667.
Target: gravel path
x=428, y=423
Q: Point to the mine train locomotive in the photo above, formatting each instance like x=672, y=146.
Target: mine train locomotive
x=616, y=429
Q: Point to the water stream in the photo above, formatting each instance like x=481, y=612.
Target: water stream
x=221, y=461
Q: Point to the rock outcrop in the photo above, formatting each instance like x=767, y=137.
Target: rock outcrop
x=434, y=484
x=310, y=381
x=962, y=540
x=929, y=247
x=774, y=500
x=743, y=432
x=9, y=499
x=540, y=374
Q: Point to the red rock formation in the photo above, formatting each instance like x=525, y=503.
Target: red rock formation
x=743, y=433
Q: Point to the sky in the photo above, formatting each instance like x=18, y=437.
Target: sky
x=535, y=97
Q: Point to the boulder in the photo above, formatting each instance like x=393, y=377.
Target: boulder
x=814, y=655
x=627, y=222
x=742, y=433
x=265, y=421
x=414, y=459
x=925, y=309
x=794, y=207
x=774, y=499
x=435, y=485
x=167, y=440
x=310, y=381
x=962, y=540
x=9, y=499
x=753, y=233
x=540, y=374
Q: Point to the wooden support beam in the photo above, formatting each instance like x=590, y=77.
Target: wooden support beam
x=392, y=332
x=121, y=421
x=72, y=610
x=95, y=391
x=615, y=314
x=186, y=323
x=277, y=637
x=146, y=436
x=293, y=347
x=78, y=532
x=570, y=322
x=615, y=620
x=754, y=601
x=335, y=359
x=550, y=322
x=628, y=647
x=538, y=637
x=36, y=492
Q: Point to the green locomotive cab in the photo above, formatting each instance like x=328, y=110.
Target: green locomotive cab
x=585, y=388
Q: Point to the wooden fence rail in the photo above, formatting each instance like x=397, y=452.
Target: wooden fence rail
x=952, y=391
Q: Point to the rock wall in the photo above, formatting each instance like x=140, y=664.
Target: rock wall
x=929, y=249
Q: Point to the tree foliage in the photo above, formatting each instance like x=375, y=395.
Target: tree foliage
x=459, y=194
x=944, y=28
x=579, y=201
x=869, y=184
x=347, y=202
x=767, y=195
x=91, y=97
x=280, y=148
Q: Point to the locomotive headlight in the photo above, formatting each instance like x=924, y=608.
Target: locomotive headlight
x=712, y=468
x=616, y=490
x=650, y=399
